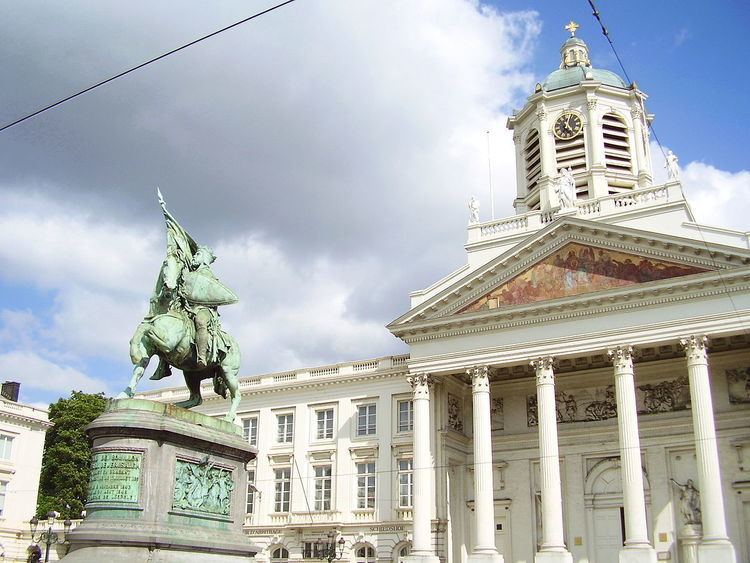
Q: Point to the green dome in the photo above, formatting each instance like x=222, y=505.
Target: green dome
x=575, y=75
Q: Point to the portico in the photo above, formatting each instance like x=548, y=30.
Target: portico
x=554, y=540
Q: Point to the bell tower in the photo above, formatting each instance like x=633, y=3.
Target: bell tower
x=584, y=119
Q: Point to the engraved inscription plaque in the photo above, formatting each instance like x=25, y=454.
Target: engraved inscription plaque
x=115, y=477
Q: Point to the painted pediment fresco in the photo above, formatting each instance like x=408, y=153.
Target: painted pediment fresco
x=577, y=269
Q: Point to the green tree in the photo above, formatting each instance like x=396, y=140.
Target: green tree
x=67, y=454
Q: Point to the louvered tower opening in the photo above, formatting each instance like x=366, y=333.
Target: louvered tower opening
x=533, y=167
x=572, y=153
x=617, y=157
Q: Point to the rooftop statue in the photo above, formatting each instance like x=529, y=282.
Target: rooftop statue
x=182, y=326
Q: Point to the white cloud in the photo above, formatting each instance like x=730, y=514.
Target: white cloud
x=718, y=198
x=327, y=152
x=35, y=372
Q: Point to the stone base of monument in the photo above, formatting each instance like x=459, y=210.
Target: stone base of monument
x=167, y=485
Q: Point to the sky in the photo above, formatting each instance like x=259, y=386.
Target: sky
x=326, y=151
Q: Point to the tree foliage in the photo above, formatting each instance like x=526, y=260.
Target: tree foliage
x=67, y=454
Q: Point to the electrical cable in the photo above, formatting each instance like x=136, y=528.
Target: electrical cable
x=148, y=62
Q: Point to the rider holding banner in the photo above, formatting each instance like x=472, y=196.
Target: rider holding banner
x=186, y=285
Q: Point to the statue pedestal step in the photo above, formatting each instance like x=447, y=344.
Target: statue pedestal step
x=167, y=485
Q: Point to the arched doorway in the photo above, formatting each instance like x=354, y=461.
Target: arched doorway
x=605, y=516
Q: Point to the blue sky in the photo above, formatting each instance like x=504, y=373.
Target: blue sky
x=326, y=153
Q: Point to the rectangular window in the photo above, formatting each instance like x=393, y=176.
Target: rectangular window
x=366, y=485
x=325, y=424
x=405, y=416
x=282, y=489
x=405, y=483
x=6, y=446
x=366, y=420
x=3, y=490
x=285, y=428
x=250, y=501
x=250, y=430
x=323, y=487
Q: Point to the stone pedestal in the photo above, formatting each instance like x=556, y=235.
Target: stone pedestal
x=167, y=485
x=689, y=537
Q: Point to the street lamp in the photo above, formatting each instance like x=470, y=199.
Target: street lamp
x=48, y=536
x=329, y=549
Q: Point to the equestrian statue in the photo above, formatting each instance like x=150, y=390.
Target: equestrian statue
x=182, y=327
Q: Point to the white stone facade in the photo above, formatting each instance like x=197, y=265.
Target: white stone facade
x=22, y=431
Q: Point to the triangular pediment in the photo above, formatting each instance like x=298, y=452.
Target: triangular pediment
x=576, y=269
x=571, y=264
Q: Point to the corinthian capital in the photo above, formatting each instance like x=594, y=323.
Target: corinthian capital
x=420, y=383
x=543, y=367
x=695, y=347
x=621, y=357
x=480, y=378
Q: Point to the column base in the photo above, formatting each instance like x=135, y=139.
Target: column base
x=485, y=558
x=562, y=556
x=716, y=552
x=643, y=554
x=418, y=558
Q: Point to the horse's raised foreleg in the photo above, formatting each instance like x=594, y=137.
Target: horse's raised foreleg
x=193, y=382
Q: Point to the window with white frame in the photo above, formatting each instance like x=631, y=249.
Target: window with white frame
x=3, y=490
x=323, y=487
x=405, y=483
x=250, y=499
x=250, y=430
x=285, y=428
x=279, y=555
x=366, y=485
x=406, y=416
x=366, y=419
x=282, y=489
x=6, y=446
x=324, y=424
x=366, y=554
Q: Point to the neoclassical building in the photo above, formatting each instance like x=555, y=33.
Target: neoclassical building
x=22, y=432
x=579, y=390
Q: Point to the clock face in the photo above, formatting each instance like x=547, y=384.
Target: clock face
x=568, y=125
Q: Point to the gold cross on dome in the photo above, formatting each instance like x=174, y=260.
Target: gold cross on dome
x=572, y=27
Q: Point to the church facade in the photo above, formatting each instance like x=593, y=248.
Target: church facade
x=579, y=390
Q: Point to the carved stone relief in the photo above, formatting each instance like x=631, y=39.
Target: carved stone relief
x=455, y=415
x=738, y=385
x=599, y=403
x=497, y=420
x=202, y=487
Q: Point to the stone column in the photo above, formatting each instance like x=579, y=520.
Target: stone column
x=484, y=507
x=422, y=497
x=715, y=546
x=637, y=548
x=548, y=160
x=553, y=545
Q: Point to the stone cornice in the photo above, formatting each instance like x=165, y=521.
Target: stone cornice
x=578, y=344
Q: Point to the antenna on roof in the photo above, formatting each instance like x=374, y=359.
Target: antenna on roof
x=489, y=176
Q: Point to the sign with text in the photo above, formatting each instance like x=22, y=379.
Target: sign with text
x=115, y=477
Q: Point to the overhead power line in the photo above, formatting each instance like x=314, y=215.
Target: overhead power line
x=137, y=67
